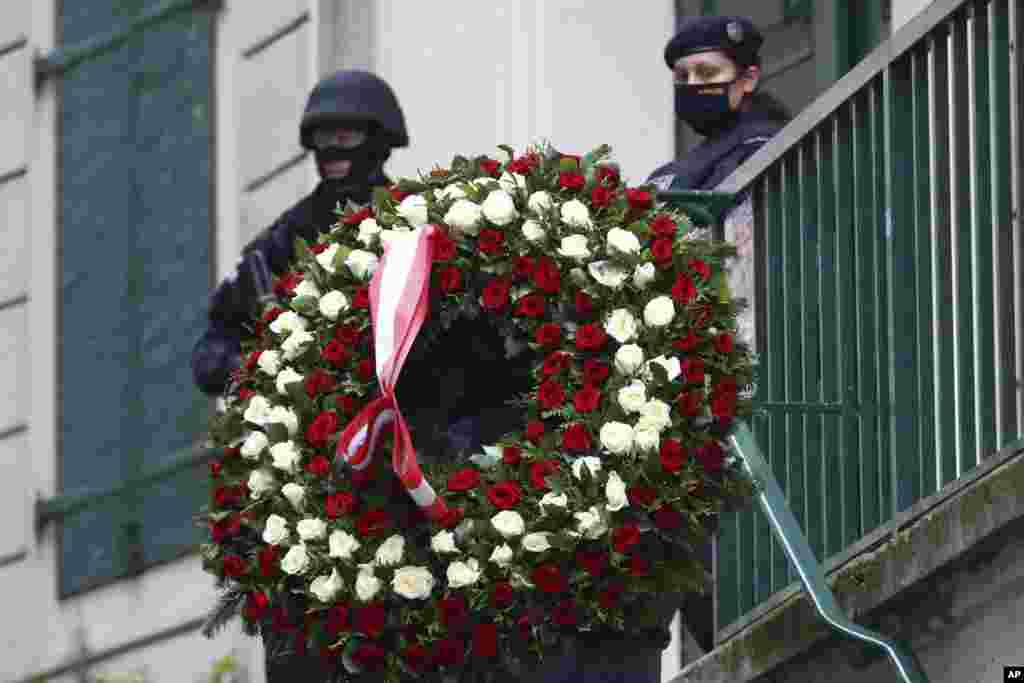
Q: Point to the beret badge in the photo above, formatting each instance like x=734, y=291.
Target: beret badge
x=735, y=32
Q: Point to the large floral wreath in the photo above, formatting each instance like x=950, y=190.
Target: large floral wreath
x=572, y=524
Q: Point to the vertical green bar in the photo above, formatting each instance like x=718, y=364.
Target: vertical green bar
x=846, y=279
x=1016, y=31
x=766, y=200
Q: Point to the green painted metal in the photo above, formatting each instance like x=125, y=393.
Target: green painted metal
x=709, y=7
x=798, y=10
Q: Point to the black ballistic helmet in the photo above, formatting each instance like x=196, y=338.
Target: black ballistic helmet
x=354, y=97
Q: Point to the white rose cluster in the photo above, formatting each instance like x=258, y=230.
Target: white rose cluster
x=464, y=216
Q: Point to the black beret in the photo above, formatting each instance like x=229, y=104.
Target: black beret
x=736, y=36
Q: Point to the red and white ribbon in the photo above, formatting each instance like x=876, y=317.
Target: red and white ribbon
x=399, y=304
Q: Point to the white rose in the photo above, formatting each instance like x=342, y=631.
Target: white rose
x=326, y=587
x=306, y=288
x=574, y=246
x=293, y=346
x=539, y=202
x=362, y=263
x=532, y=231
x=590, y=524
x=536, y=542
x=452, y=191
x=576, y=214
x=326, y=258
x=658, y=413
x=607, y=273
x=276, y=530
x=672, y=367
x=461, y=574
x=621, y=325
x=258, y=410
x=342, y=544
x=629, y=358
x=615, y=492
x=512, y=182
x=367, y=585
x=296, y=560
x=623, y=241
x=287, y=417
x=499, y=208
x=286, y=377
x=311, y=529
x=390, y=551
x=646, y=435
x=502, y=555
x=254, y=445
x=593, y=465
x=294, y=493
x=464, y=215
x=643, y=275
x=617, y=437
x=368, y=231
x=578, y=276
x=633, y=396
x=556, y=500
x=333, y=303
x=483, y=183
x=509, y=523
x=414, y=583
x=269, y=362
x=288, y=322
x=659, y=311
x=443, y=542
x=285, y=455
x=260, y=482
x=413, y=209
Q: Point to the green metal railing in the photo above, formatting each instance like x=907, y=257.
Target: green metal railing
x=889, y=275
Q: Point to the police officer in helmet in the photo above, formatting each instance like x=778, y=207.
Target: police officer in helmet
x=352, y=121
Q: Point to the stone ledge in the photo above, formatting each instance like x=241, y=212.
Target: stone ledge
x=880, y=580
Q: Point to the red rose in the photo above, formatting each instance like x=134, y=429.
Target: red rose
x=584, y=304
x=215, y=468
x=587, y=399
x=701, y=268
x=504, y=495
x=522, y=166
x=341, y=503
x=511, y=455
x=565, y=614
x=549, y=579
x=225, y=528
x=452, y=518
x=525, y=625
x=625, y=537
x=556, y=363
x=535, y=431
x=608, y=175
x=641, y=495
x=397, y=194
x=601, y=196
x=337, y=619
x=595, y=372
x=485, y=640
x=576, y=438
x=234, y=566
x=464, y=480
x=450, y=279
x=663, y=226
x=286, y=284
x=369, y=656
x=453, y=611
x=490, y=167
x=594, y=563
x=346, y=404
x=335, y=353
x=668, y=518
x=268, y=561
x=683, y=290
x=370, y=620
x=252, y=360
x=687, y=343
x=373, y=523
x=549, y=334
x=591, y=337
x=224, y=496
x=550, y=394
x=723, y=343
x=347, y=334
x=571, y=180
x=319, y=466
x=357, y=217
x=523, y=267
x=609, y=597
x=689, y=403
x=318, y=382
x=318, y=248
x=444, y=246
x=531, y=306
x=638, y=566
x=245, y=393
x=256, y=606
x=693, y=370
x=546, y=276
x=539, y=472
x=361, y=299
x=711, y=457
x=491, y=241
x=496, y=294
x=271, y=315
x=502, y=594
x=639, y=199
x=661, y=250
x=416, y=658
x=723, y=405
x=448, y=652
x=325, y=424
x=365, y=370
x=672, y=455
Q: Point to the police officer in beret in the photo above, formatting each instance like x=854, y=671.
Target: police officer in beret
x=716, y=70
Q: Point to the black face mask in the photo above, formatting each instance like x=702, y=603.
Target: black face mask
x=367, y=160
x=707, y=114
